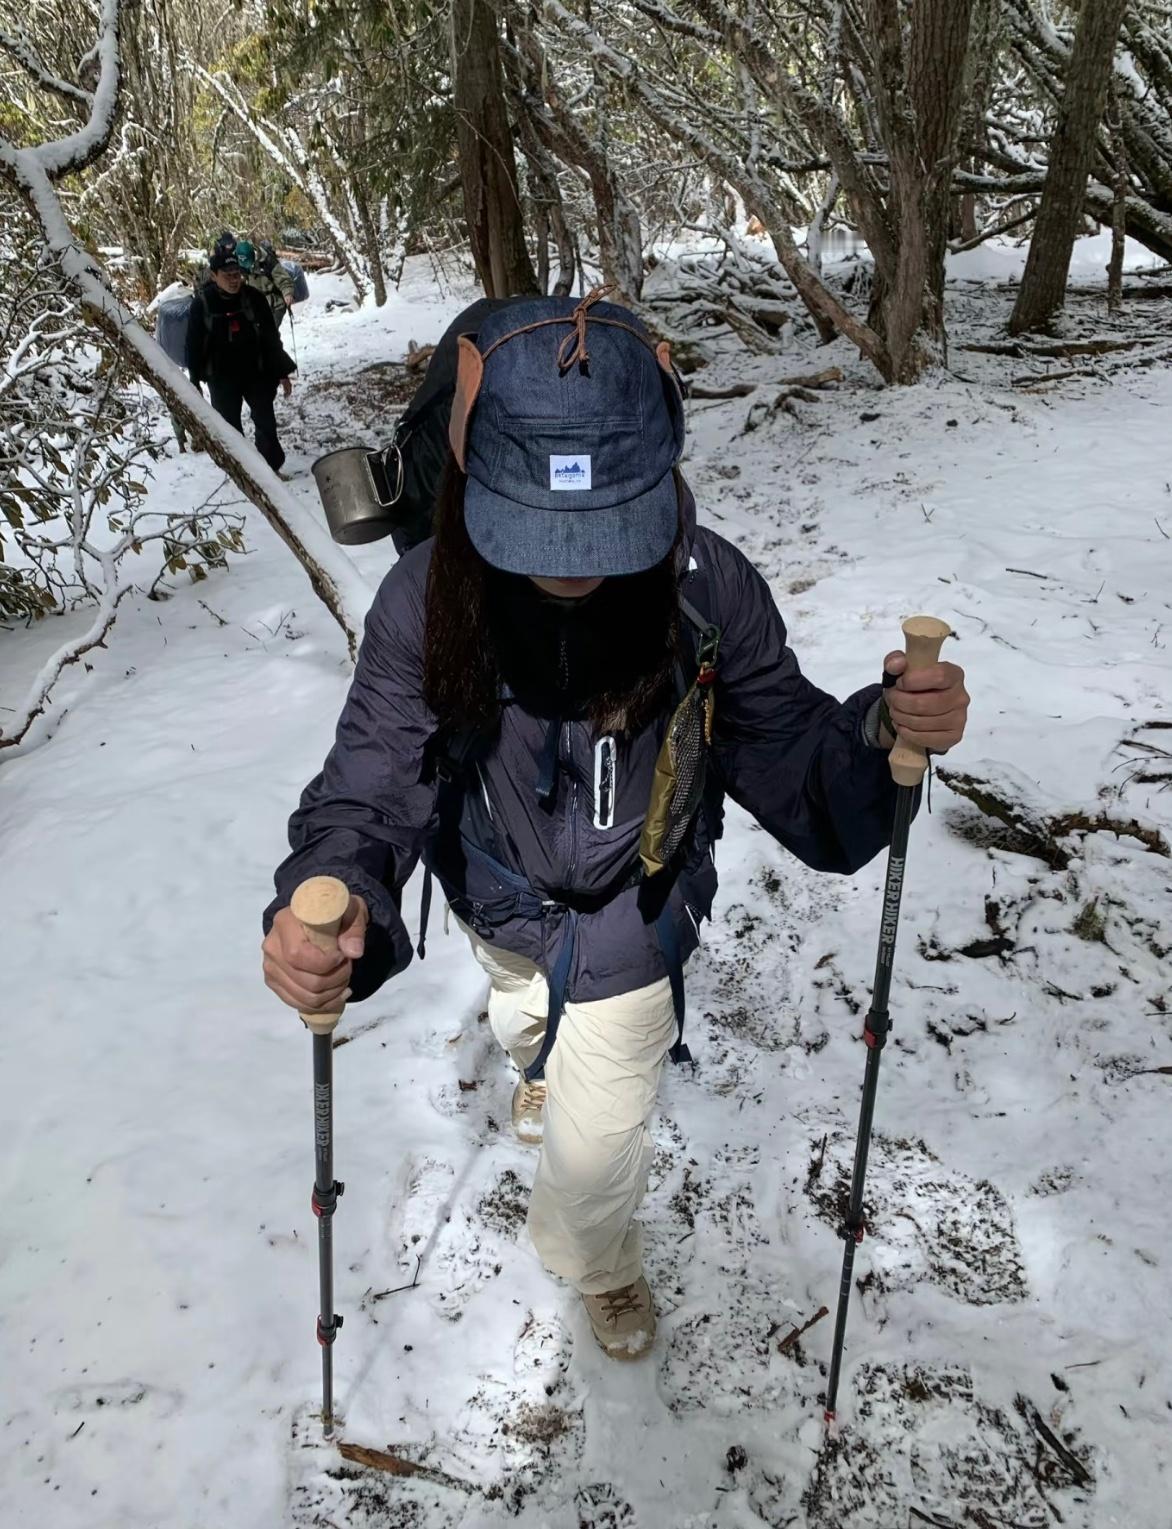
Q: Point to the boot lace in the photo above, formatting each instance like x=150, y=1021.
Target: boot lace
x=532, y=1097
x=617, y=1303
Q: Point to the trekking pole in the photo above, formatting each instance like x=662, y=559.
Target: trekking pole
x=924, y=635
x=293, y=339
x=320, y=904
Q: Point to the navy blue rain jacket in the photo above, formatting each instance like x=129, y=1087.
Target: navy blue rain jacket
x=791, y=755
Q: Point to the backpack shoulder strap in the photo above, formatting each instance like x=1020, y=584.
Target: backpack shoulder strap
x=697, y=607
x=249, y=298
x=455, y=749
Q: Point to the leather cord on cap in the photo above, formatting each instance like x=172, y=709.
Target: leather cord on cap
x=574, y=349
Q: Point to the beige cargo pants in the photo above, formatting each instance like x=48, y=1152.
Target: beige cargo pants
x=601, y=1080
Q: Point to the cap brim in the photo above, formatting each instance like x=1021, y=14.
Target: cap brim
x=573, y=544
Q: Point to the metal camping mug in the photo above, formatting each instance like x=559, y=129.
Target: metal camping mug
x=359, y=489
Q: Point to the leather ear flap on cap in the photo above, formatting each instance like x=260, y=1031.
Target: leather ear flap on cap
x=663, y=356
x=469, y=376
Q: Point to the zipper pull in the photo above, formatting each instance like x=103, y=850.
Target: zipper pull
x=548, y=763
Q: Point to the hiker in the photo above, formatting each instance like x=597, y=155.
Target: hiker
x=504, y=725
x=233, y=345
x=265, y=274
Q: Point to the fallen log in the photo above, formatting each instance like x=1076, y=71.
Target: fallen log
x=1007, y=796
x=734, y=390
x=793, y=389
x=1031, y=380
x=823, y=379
x=1058, y=349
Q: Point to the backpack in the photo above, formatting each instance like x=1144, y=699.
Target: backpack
x=415, y=458
x=171, y=327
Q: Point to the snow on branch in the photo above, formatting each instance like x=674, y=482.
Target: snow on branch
x=19, y=48
x=829, y=312
x=65, y=156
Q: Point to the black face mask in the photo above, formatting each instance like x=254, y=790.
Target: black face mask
x=558, y=655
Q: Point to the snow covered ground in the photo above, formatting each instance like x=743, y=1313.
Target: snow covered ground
x=1008, y=1361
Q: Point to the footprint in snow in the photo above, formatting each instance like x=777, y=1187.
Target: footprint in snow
x=726, y=1360
x=523, y=1434
x=420, y=1206
x=542, y=1352
x=600, y=1507
x=921, y=1438
x=472, y=1245
x=114, y=1395
x=926, y=1221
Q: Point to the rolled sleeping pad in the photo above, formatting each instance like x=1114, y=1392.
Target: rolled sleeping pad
x=171, y=328
x=300, y=285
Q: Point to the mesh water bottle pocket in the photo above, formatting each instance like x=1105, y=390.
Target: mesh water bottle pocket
x=678, y=785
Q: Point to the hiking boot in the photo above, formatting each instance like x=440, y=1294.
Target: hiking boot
x=528, y=1109
x=623, y=1320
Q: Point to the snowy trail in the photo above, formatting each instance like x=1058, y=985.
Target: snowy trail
x=157, y=1262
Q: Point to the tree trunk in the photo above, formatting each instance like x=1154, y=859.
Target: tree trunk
x=549, y=126
x=1043, y=286
x=488, y=171
x=543, y=249
x=368, y=234
x=919, y=92
x=544, y=180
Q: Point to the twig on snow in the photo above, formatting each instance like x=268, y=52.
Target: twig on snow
x=1070, y=1460
x=795, y=1333
x=381, y=1295
x=213, y=613
x=395, y=1465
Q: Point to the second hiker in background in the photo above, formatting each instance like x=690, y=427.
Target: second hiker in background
x=233, y=345
x=265, y=274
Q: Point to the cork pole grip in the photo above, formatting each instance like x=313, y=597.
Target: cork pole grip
x=319, y=905
x=924, y=637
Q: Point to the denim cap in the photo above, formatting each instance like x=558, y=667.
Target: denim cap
x=570, y=440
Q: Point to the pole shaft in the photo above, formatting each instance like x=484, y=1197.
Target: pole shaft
x=875, y=1031
x=323, y=1143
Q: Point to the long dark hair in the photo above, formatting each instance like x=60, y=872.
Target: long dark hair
x=483, y=626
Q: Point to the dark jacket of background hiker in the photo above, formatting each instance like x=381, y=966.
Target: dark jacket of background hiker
x=233, y=339
x=233, y=345
x=793, y=756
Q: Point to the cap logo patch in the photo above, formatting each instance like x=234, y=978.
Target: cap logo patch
x=569, y=472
